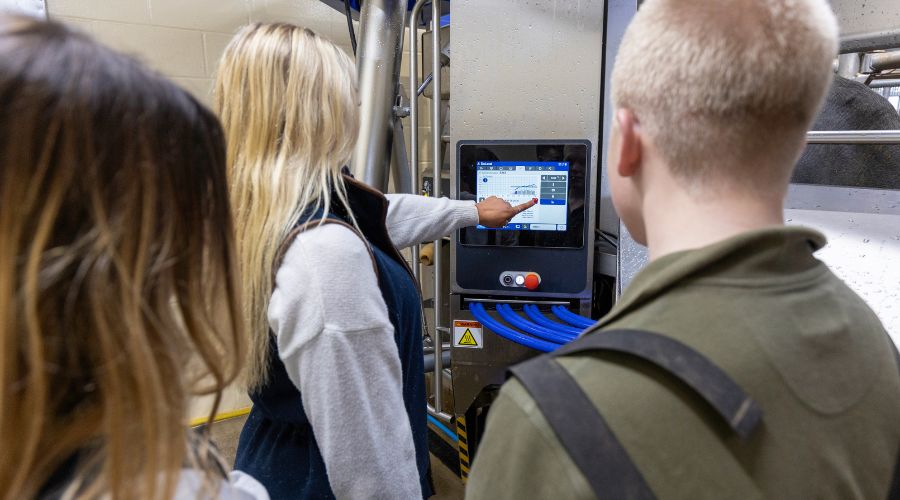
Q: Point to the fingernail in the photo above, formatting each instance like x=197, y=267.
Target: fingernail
x=534, y=200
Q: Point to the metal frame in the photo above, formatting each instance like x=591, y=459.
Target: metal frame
x=884, y=83
x=853, y=137
x=583, y=296
x=437, y=409
x=501, y=100
x=618, y=16
x=382, y=25
x=414, y=116
x=378, y=63
x=878, y=40
x=883, y=61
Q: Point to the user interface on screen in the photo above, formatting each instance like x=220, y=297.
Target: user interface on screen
x=555, y=173
x=521, y=181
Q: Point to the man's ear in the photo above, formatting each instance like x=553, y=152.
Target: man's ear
x=630, y=145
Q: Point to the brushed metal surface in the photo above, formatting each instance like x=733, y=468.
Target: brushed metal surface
x=522, y=70
x=527, y=70
x=378, y=63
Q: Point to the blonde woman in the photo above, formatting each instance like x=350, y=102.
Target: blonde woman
x=335, y=367
x=115, y=253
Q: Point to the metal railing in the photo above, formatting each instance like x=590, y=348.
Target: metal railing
x=414, y=117
x=884, y=61
x=853, y=137
x=437, y=409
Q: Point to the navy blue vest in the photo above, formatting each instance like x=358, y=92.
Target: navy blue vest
x=277, y=445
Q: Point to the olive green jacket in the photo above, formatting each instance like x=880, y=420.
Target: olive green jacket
x=784, y=327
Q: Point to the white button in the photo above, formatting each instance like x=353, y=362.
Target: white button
x=520, y=280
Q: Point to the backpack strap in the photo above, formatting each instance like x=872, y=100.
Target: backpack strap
x=583, y=431
x=696, y=371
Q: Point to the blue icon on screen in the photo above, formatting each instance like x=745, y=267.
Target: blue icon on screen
x=484, y=180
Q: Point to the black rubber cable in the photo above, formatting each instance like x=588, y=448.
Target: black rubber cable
x=349, y=15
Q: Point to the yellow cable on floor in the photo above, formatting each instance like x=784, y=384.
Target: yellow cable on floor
x=221, y=416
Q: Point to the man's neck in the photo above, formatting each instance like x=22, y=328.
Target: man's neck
x=678, y=221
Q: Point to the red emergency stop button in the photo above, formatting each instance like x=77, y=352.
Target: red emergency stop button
x=532, y=281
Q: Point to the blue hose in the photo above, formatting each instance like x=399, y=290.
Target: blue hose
x=549, y=334
x=572, y=318
x=480, y=315
x=554, y=335
x=538, y=317
x=443, y=428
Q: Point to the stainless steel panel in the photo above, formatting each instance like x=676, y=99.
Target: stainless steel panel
x=527, y=70
x=475, y=370
x=619, y=14
x=631, y=256
x=521, y=71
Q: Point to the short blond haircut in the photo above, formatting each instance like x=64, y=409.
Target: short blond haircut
x=726, y=89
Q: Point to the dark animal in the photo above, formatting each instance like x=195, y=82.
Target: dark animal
x=851, y=105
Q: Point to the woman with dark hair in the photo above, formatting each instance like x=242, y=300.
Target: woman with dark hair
x=118, y=292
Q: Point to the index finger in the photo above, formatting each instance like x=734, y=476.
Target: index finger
x=525, y=206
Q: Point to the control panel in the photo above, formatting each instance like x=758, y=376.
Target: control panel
x=521, y=279
x=543, y=250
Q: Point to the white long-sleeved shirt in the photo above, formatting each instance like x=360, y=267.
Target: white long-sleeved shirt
x=337, y=344
x=238, y=486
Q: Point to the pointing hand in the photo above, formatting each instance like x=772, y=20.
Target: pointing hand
x=494, y=212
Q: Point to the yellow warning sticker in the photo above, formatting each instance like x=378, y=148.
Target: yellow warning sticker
x=468, y=339
x=468, y=334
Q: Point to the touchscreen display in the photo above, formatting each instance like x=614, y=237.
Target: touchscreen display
x=554, y=173
x=522, y=181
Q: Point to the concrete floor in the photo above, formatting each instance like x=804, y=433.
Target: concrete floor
x=225, y=434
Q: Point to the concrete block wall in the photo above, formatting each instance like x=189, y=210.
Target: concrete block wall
x=184, y=39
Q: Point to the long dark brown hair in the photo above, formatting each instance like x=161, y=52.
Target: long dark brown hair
x=118, y=286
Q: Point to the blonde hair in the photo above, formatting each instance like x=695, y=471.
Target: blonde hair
x=117, y=301
x=720, y=86
x=287, y=99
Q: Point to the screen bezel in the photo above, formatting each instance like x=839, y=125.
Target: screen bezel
x=527, y=151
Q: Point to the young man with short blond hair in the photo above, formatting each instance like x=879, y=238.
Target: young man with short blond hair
x=712, y=100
